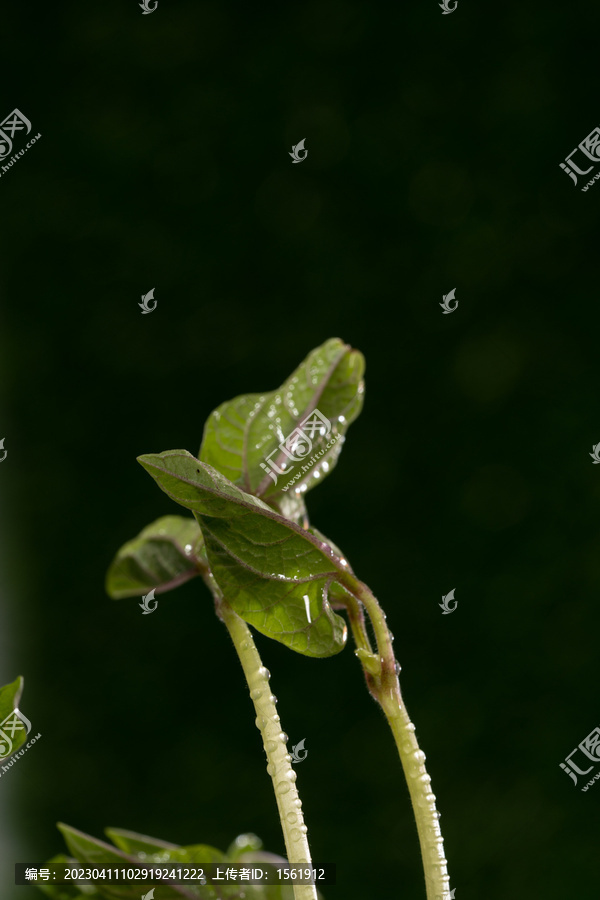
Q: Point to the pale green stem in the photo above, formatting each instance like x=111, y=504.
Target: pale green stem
x=275, y=743
x=382, y=679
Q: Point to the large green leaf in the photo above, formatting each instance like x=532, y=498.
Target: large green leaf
x=141, y=850
x=146, y=847
x=242, y=437
x=14, y=726
x=276, y=575
x=164, y=555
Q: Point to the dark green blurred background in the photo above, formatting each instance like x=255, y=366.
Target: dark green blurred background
x=434, y=145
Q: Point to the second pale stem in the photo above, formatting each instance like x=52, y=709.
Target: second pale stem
x=275, y=743
x=382, y=678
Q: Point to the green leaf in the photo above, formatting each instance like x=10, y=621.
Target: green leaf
x=199, y=854
x=274, y=574
x=145, y=847
x=94, y=853
x=66, y=891
x=69, y=891
x=325, y=540
x=290, y=506
x=14, y=725
x=242, y=437
x=276, y=581
x=164, y=555
x=137, y=844
x=10, y=694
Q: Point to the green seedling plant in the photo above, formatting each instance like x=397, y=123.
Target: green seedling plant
x=268, y=569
